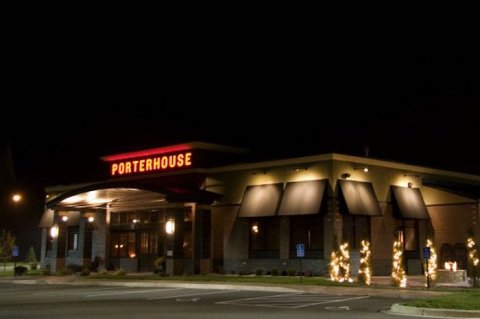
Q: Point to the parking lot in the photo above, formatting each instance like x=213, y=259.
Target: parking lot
x=63, y=301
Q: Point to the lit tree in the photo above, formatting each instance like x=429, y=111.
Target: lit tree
x=340, y=263
x=473, y=259
x=432, y=261
x=365, y=269
x=398, y=272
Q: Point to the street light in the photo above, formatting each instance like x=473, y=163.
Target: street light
x=16, y=197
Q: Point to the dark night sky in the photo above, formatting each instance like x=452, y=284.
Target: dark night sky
x=407, y=108
x=411, y=108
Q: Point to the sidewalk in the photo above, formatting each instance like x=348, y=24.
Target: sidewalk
x=383, y=288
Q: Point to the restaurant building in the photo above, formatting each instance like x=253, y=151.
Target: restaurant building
x=200, y=211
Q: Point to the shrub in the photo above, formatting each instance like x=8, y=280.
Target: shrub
x=283, y=273
x=20, y=270
x=275, y=272
x=74, y=268
x=33, y=265
x=46, y=271
x=120, y=273
x=103, y=272
x=85, y=271
x=31, y=256
x=258, y=272
x=291, y=272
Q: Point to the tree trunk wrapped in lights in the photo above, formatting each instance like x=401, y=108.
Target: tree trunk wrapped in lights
x=365, y=269
x=340, y=263
x=473, y=260
x=398, y=272
x=432, y=261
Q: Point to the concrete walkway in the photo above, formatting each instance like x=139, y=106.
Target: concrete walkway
x=382, y=288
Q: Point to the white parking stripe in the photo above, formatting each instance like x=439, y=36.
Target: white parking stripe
x=75, y=290
x=257, y=298
x=195, y=294
x=130, y=292
x=292, y=301
x=330, y=301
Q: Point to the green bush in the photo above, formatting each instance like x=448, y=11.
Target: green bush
x=291, y=272
x=275, y=272
x=85, y=271
x=258, y=272
x=120, y=273
x=34, y=265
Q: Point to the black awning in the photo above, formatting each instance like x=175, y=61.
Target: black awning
x=409, y=202
x=360, y=198
x=302, y=198
x=260, y=200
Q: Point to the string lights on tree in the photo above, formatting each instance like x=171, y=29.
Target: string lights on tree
x=398, y=272
x=365, y=269
x=473, y=259
x=432, y=261
x=340, y=264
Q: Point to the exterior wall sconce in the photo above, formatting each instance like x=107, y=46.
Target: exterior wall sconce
x=170, y=227
x=54, y=231
x=345, y=175
x=409, y=185
x=264, y=172
x=363, y=168
x=91, y=219
x=64, y=218
x=411, y=175
x=255, y=229
x=300, y=168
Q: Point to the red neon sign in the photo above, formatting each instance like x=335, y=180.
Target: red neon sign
x=151, y=164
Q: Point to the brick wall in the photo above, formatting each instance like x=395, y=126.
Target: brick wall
x=452, y=223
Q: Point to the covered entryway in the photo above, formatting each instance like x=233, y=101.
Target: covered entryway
x=129, y=226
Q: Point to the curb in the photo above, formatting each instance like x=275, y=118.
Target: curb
x=398, y=309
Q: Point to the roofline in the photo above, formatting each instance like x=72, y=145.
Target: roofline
x=174, y=148
x=347, y=158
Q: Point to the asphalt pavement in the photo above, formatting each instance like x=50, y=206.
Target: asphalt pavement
x=382, y=289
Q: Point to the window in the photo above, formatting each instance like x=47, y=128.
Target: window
x=264, y=237
x=73, y=238
x=122, y=244
x=149, y=243
x=307, y=230
x=411, y=234
x=355, y=229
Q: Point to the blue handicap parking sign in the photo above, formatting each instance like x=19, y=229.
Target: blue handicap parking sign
x=300, y=250
x=15, y=251
x=426, y=252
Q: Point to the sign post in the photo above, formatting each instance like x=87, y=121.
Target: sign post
x=14, y=256
x=300, y=255
x=426, y=257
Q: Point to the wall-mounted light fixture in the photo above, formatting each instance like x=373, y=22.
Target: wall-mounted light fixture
x=259, y=172
x=91, y=219
x=411, y=175
x=54, y=231
x=300, y=168
x=64, y=218
x=409, y=185
x=345, y=175
x=363, y=168
x=170, y=227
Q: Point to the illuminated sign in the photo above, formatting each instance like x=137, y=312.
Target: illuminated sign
x=151, y=164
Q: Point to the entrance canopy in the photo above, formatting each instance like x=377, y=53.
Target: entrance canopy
x=127, y=196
